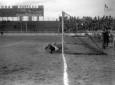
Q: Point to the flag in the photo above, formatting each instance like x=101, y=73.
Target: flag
x=106, y=6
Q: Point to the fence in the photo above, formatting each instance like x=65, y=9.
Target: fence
x=30, y=26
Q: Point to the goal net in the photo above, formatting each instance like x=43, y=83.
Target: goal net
x=74, y=42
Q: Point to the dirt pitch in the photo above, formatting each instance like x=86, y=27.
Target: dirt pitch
x=88, y=64
x=23, y=61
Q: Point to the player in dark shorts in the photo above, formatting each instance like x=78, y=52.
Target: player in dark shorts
x=105, y=36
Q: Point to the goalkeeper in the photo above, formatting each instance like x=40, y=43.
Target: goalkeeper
x=52, y=48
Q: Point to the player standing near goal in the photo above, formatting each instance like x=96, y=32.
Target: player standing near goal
x=105, y=36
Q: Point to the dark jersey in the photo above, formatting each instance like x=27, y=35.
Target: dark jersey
x=106, y=36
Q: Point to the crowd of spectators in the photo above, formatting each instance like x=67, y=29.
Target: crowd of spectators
x=73, y=24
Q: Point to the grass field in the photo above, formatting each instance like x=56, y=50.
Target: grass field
x=23, y=61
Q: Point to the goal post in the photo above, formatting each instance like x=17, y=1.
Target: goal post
x=68, y=26
x=64, y=15
x=63, y=32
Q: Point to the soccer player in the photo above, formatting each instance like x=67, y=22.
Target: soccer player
x=105, y=36
x=52, y=48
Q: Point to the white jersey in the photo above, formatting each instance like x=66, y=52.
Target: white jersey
x=56, y=48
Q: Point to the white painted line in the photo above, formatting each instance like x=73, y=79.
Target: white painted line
x=65, y=74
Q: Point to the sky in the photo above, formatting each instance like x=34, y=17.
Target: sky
x=78, y=8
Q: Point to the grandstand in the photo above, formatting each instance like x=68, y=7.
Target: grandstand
x=25, y=19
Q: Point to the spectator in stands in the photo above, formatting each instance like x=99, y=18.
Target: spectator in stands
x=105, y=36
